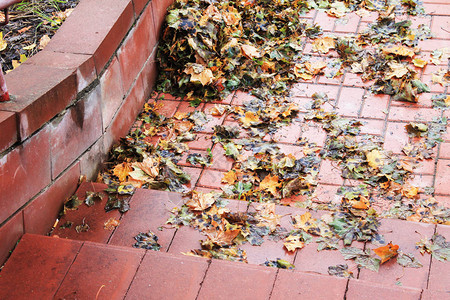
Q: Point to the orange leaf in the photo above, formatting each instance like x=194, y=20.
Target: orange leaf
x=229, y=177
x=201, y=201
x=249, y=119
x=386, y=252
x=222, y=237
x=270, y=184
x=122, y=170
x=362, y=203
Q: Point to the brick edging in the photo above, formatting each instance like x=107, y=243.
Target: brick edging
x=72, y=101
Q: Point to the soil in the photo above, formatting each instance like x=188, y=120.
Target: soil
x=31, y=22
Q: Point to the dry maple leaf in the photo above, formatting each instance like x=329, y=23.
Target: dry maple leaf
x=375, y=159
x=229, y=177
x=398, y=50
x=183, y=126
x=324, y=44
x=111, y=224
x=293, y=242
x=410, y=191
x=250, y=51
x=222, y=237
x=361, y=203
x=150, y=166
x=249, y=119
x=398, y=70
x=386, y=252
x=201, y=201
x=122, y=170
x=270, y=184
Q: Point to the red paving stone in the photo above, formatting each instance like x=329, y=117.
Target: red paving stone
x=439, y=272
x=360, y=290
x=441, y=185
x=297, y=285
x=405, y=234
x=165, y=276
x=47, y=257
x=237, y=281
x=100, y=271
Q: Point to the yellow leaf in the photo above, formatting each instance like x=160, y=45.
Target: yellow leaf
x=315, y=67
x=397, y=70
x=420, y=63
x=201, y=201
x=180, y=115
x=270, y=184
x=229, y=177
x=183, y=126
x=323, y=45
x=199, y=74
x=361, y=203
x=375, y=158
x=29, y=47
x=231, y=16
x=398, y=50
x=3, y=43
x=122, y=170
x=250, y=51
x=410, y=191
x=249, y=119
x=150, y=166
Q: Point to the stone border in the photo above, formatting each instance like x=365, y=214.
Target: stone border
x=72, y=101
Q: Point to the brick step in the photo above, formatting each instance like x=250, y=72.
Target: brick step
x=150, y=209
x=44, y=267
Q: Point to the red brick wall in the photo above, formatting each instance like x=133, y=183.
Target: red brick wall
x=72, y=101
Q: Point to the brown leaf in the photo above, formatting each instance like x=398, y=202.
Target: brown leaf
x=229, y=177
x=201, y=201
x=293, y=242
x=324, y=44
x=122, y=170
x=270, y=184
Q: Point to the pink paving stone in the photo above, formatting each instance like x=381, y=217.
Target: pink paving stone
x=325, y=193
x=165, y=276
x=444, y=150
x=422, y=181
x=353, y=80
x=211, y=178
x=350, y=101
x=168, y=108
x=375, y=106
x=220, y=160
x=408, y=114
x=396, y=137
x=363, y=290
x=347, y=24
x=307, y=90
x=325, y=80
x=247, y=282
x=149, y=210
x=443, y=200
x=94, y=216
x=288, y=134
x=314, y=134
x=209, y=126
x=295, y=150
x=49, y=257
x=374, y=127
x=434, y=295
x=100, y=271
x=298, y=285
x=433, y=44
x=439, y=272
x=439, y=25
x=405, y=234
x=330, y=173
x=194, y=173
x=326, y=22
x=185, y=107
x=441, y=185
x=202, y=142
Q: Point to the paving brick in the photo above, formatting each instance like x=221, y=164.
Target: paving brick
x=443, y=200
x=8, y=129
x=360, y=290
x=48, y=257
x=186, y=239
x=326, y=193
x=433, y=44
x=242, y=97
x=168, y=107
x=76, y=131
x=211, y=178
x=408, y=114
x=326, y=22
x=347, y=24
x=396, y=137
x=405, y=234
x=296, y=285
x=95, y=28
x=375, y=106
x=139, y=5
x=148, y=74
x=440, y=23
x=247, y=282
x=10, y=233
x=94, y=216
x=82, y=64
x=149, y=210
x=307, y=90
x=40, y=215
x=439, y=274
x=288, y=133
x=444, y=151
x=100, y=271
x=330, y=173
x=137, y=48
x=434, y=295
x=125, y=116
x=112, y=93
x=442, y=174
x=422, y=181
x=178, y=277
x=373, y=127
x=41, y=93
x=314, y=134
x=185, y=107
x=194, y=173
x=355, y=80
x=25, y=171
x=220, y=161
x=159, y=12
x=350, y=101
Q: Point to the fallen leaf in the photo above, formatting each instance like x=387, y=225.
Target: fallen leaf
x=293, y=242
x=250, y=51
x=3, y=43
x=386, y=252
x=323, y=45
x=398, y=50
x=122, y=170
x=420, y=63
x=229, y=177
x=270, y=183
x=249, y=119
x=45, y=39
x=111, y=224
x=201, y=201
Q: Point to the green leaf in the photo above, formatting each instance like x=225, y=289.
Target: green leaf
x=351, y=252
x=408, y=260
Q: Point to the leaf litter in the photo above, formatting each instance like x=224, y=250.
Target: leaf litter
x=210, y=49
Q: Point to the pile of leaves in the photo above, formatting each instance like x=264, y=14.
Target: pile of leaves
x=30, y=28
x=209, y=49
